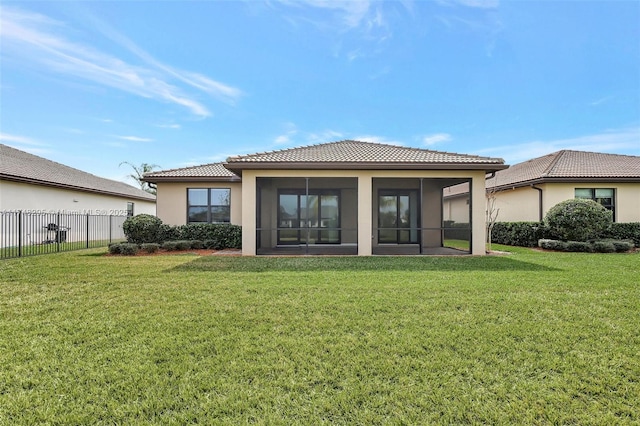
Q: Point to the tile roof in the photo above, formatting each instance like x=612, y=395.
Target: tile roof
x=361, y=154
x=24, y=167
x=569, y=165
x=204, y=171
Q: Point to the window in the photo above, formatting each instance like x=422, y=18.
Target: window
x=314, y=218
x=604, y=196
x=398, y=217
x=129, y=209
x=208, y=205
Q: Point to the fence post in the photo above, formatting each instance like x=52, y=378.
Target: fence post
x=56, y=238
x=110, y=229
x=87, y=230
x=19, y=233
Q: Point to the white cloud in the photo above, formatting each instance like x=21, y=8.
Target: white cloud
x=169, y=126
x=7, y=139
x=134, y=139
x=24, y=143
x=36, y=39
x=601, y=101
x=324, y=136
x=359, y=26
x=436, y=138
x=285, y=138
x=477, y=4
x=377, y=139
x=619, y=141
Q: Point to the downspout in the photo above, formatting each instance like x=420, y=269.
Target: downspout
x=539, y=201
x=420, y=213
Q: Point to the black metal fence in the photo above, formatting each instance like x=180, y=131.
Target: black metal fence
x=25, y=233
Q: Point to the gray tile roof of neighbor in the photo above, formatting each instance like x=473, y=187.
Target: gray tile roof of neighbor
x=20, y=166
x=209, y=172
x=362, y=155
x=567, y=165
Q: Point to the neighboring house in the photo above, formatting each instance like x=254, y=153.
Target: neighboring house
x=34, y=184
x=346, y=197
x=526, y=191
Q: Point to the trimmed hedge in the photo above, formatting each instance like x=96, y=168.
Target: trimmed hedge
x=127, y=249
x=527, y=234
x=143, y=228
x=599, y=246
x=624, y=231
x=521, y=234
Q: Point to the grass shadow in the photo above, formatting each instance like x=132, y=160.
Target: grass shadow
x=355, y=263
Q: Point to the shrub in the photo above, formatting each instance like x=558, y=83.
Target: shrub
x=197, y=244
x=624, y=231
x=170, y=245
x=603, y=247
x=577, y=220
x=522, y=234
x=622, y=246
x=211, y=244
x=578, y=246
x=114, y=248
x=183, y=245
x=168, y=233
x=552, y=244
x=150, y=247
x=143, y=228
x=213, y=235
x=128, y=249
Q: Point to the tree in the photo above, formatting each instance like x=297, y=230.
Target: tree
x=138, y=174
x=491, y=212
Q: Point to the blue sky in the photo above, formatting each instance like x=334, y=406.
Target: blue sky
x=176, y=83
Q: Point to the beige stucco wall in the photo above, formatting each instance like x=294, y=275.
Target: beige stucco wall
x=456, y=209
x=521, y=204
x=45, y=199
x=518, y=205
x=366, y=218
x=172, y=200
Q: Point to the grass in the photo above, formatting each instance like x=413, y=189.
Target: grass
x=53, y=247
x=531, y=337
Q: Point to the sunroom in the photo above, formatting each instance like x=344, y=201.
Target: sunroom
x=359, y=198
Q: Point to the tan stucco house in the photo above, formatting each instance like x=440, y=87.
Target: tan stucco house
x=345, y=197
x=527, y=190
x=30, y=183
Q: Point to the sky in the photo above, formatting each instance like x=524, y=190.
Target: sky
x=92, y=84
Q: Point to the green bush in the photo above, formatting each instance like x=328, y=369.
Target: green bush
x=603, y=247
x=624, y=231
x=143, y=228
x=183, y=245
x=579, y=246
x=577, y=220
x=599, y=246
x=197, y=244
x=225, y=235
x=552, y=244
x=127, y=249
x=150, y=247
x=521, y=234
x=168, y=233
x=170, y=245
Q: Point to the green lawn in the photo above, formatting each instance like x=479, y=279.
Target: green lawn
x=530, y=337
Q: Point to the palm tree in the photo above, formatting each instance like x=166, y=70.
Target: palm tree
x=138, y=175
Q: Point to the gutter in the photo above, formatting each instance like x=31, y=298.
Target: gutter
x=533, y=186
